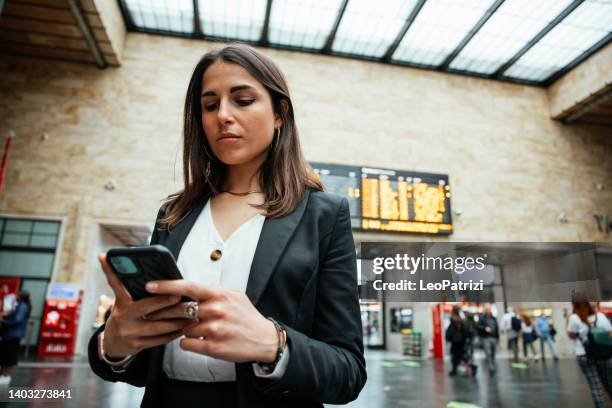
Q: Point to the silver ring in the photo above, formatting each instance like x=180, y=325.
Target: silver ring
x=191, y=311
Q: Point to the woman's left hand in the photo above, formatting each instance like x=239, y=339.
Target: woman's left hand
x=228, y=326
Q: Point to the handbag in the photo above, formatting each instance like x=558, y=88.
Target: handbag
x=598, y=345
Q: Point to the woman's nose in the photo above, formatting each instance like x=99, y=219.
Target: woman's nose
x=225, y=113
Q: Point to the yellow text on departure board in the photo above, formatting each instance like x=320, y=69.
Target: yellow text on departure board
x=369, y=198
x=428, y=202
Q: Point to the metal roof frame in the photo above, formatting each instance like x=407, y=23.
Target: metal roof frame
x=197, y=28
x=332, y=34
x=552, y=24
x=473, y=31
x=409, y=20
x=266, y=26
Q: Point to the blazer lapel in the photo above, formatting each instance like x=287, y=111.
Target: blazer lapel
x=176, y=237
x=274, y=237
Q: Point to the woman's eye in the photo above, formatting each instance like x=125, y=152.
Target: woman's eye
x=245, y=102
x=210, y=107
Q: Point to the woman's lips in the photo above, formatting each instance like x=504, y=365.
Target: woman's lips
x=229, y=139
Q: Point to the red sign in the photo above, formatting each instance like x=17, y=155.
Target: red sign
x=606, y=308
x=8, y=288
x=438, y=344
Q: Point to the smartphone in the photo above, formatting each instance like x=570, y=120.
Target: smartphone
x=135, y=266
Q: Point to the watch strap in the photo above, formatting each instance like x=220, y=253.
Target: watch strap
x=282, y=343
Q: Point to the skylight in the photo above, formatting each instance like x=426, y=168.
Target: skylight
x=528, y=41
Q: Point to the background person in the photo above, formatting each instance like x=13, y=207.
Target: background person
x=529, y=337
x=470, y=326
x=14, y=327
x=457, y=335
x=511, y=325
x=597, y=372
x=543, y=328
x=488, y=331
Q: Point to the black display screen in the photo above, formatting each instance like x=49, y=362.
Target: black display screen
x=391, y=200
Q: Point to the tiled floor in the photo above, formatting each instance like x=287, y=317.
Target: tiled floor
x=397, y=382
x=393, y=381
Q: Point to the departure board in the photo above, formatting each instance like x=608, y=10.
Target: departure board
x=391, y=200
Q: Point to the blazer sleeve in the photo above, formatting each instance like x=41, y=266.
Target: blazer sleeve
x=136, y=372
x=328, y=366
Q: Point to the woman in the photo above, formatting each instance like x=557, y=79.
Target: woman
x=544, y=329
x=597, y=372
x=14, y=327
x=470, y=326
x=267, y=256
x=529, y=337
x=457, y=335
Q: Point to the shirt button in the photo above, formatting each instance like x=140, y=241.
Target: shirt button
x=216, y=254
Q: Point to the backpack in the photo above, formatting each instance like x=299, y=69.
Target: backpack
x=515, y=323
x=598, y=345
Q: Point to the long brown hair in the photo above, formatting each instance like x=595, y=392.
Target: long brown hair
x=583, y=309
x=284, y=175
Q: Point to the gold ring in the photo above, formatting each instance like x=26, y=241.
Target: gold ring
x=191, y=311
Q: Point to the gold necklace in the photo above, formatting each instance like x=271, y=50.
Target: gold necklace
x=241, y=194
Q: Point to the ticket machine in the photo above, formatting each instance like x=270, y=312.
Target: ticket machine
x=60, y=319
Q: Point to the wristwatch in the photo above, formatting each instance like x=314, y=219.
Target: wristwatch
x=118, y=366
x=268, y=368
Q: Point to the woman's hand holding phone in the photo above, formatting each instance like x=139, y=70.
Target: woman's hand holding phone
x=229, y=327
x=126, y=331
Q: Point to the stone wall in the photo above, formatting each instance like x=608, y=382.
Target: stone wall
x=512, y=169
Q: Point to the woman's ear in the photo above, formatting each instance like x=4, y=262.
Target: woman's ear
x=278, y=122
x=284, y=106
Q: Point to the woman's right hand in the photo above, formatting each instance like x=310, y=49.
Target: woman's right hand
x=126, y=331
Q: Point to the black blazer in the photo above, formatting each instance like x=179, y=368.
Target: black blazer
x=304, y=274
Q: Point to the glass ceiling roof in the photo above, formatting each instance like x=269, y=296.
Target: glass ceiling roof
x=525, y=41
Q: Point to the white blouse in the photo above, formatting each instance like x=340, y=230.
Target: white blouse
x=230, y=271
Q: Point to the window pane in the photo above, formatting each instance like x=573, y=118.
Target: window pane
x=43, y=241
x=302, y=23
x=235, y=19
x=368, y=28
x=16, y=239
x=166, y=15
x=18, y=226
x=24, y=264
x=438, y=29
x=46, y=227
x=506, y=32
